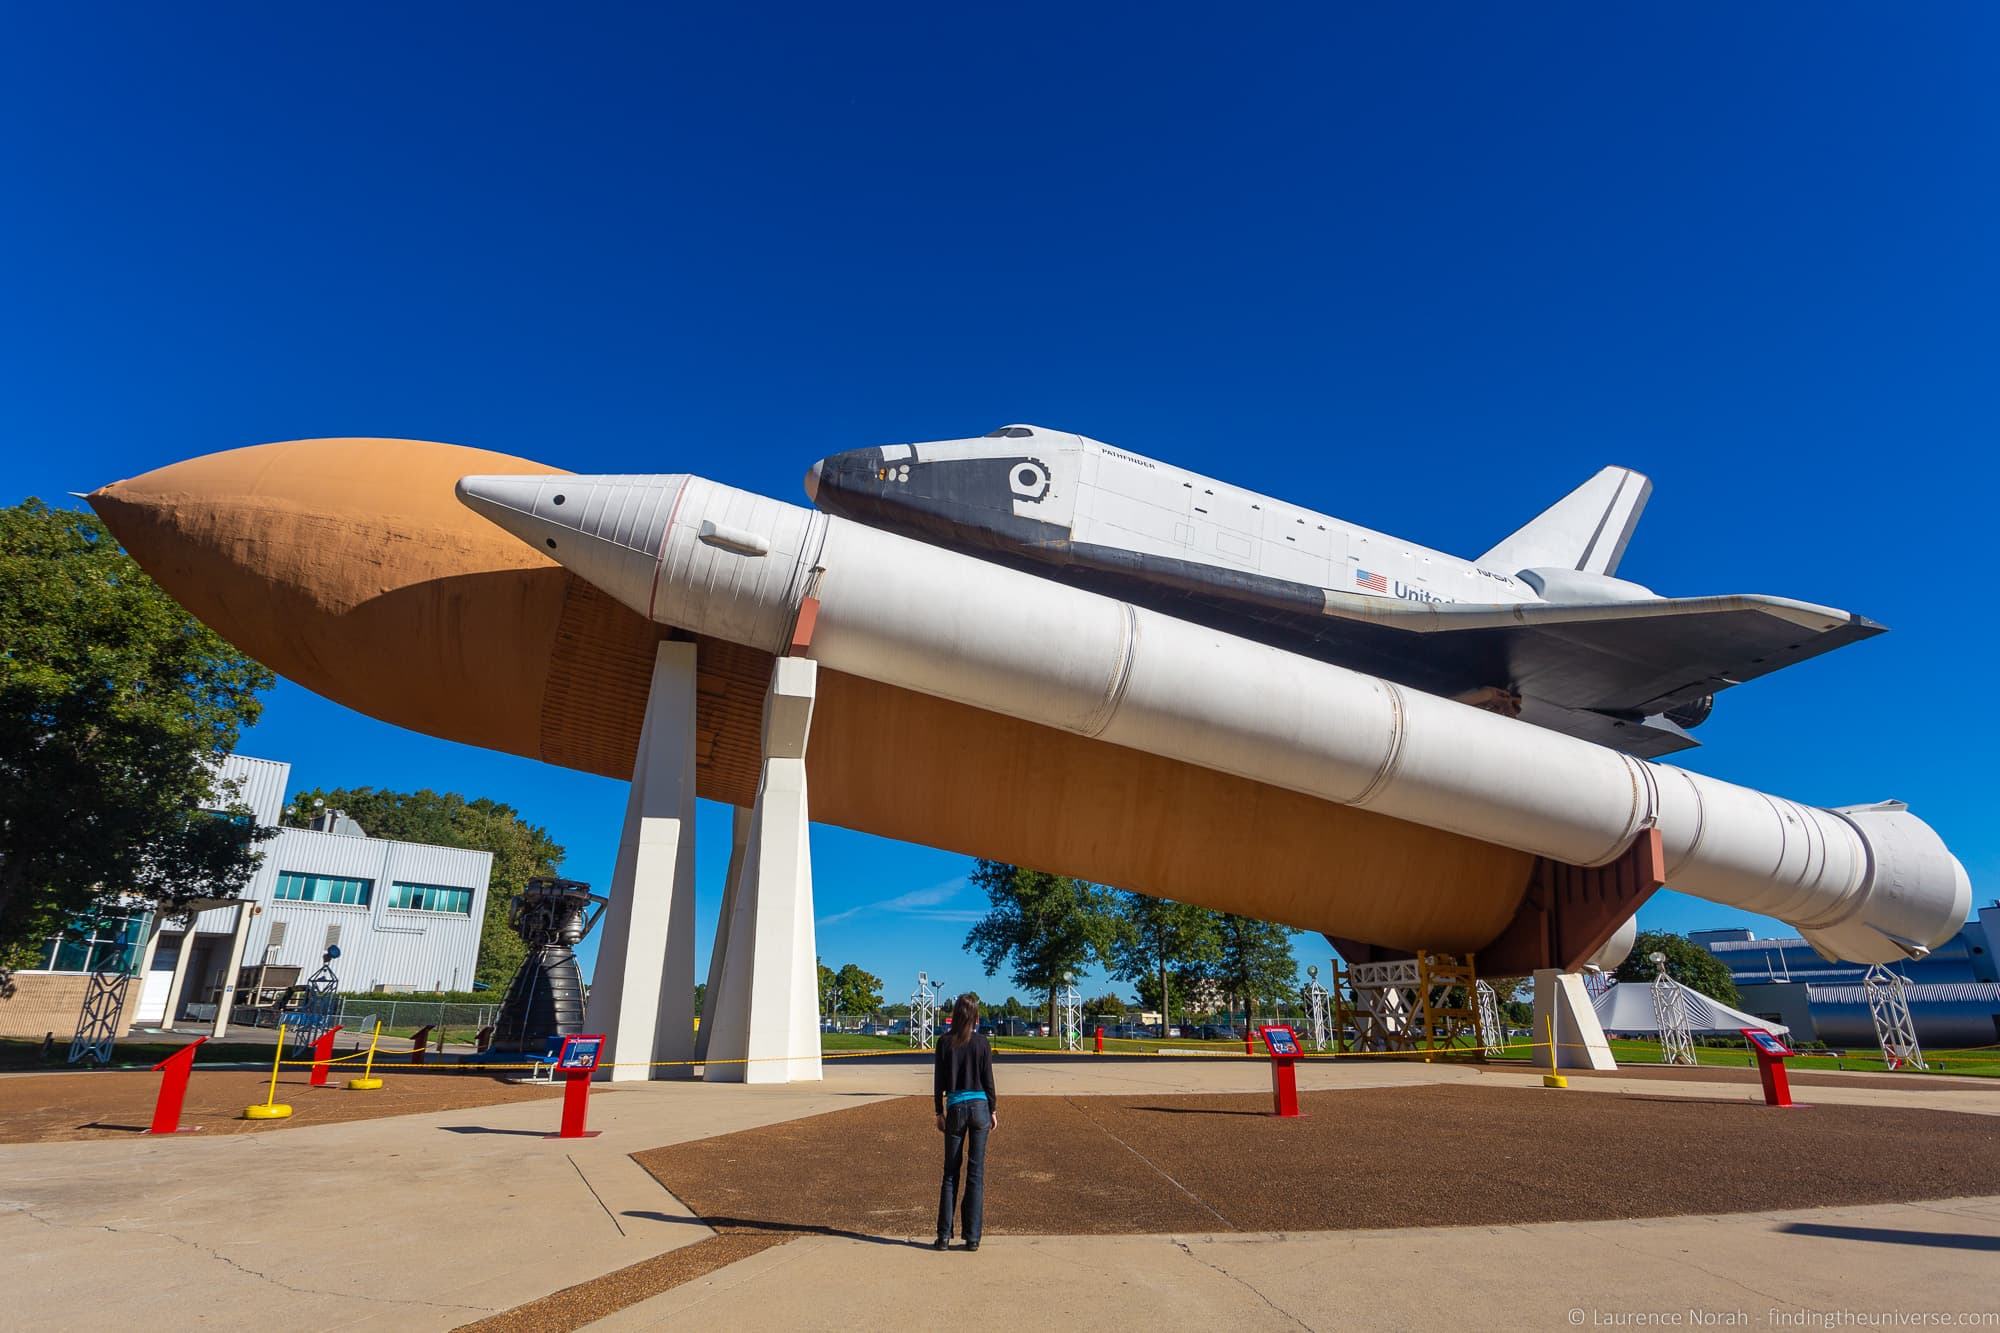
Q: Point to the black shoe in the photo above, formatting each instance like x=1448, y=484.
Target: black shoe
x=971, y=1245
x=941, y=1243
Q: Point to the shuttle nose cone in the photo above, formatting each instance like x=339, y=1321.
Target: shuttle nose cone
x=606, y=530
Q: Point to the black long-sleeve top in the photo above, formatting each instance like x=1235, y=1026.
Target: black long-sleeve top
x=962, y=1069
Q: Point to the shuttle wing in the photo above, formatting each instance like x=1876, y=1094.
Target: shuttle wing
x=1629, y=657
x=1628, y=674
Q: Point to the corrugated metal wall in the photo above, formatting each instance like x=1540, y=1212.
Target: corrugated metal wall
x=379, y=945
x=263, y=784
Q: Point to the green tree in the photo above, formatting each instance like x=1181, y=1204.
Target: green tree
x=829, y=989
x=1687, y=963
x=1041, y=925
x=521, y=850
x=1107, y=1005
x=1253, y=962
x=856, y=991
x=113, y=704
x=1157, y=936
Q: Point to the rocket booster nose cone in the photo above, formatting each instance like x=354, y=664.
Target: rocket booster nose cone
x=812, y=482
x=607, y=530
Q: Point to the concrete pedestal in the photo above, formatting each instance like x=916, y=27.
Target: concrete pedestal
x=1579, y=1037
x=642, y=992
x=765, y=999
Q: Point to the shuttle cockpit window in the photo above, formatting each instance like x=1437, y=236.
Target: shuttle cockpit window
x=1010, y=433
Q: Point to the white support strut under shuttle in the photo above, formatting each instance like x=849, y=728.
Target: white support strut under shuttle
x=1865, y=884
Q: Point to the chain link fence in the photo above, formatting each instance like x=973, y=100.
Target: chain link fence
x=453, y=1021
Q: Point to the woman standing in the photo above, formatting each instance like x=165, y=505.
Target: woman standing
x=962, y=1096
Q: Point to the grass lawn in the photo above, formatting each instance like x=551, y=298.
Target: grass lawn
x=854, y=1041
x=1981, y=1062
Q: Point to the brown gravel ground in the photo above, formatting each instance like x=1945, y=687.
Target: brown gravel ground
x=1438, y=1155
x=109, y=1104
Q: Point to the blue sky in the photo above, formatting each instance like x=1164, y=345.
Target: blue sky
x=1422, y=267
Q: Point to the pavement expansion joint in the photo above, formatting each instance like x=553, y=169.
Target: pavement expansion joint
x=1181, y=1244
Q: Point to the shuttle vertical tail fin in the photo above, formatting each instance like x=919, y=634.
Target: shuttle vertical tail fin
x=1587, y=529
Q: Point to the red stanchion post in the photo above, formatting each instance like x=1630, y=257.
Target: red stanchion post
x=577, y=1062
x=1100, y=1038
x=322, y=1054
x=173, y=1089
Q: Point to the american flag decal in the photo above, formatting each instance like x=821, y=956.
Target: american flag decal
x=1372, y=582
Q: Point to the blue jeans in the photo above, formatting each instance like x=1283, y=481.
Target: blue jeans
x=965, y=1129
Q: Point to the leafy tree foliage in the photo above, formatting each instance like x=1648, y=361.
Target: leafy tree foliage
x=520, y=850
x=1040, y=926
x=113, y=702
x=856, y=991
x=1253, y=962
x=1107, y=1005
x=1157, y=937
x=850, y=990
x=1687, y=963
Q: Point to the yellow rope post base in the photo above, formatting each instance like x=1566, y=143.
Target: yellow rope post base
x=271, y=1108
x=368, y=1082
x=1552, y=1079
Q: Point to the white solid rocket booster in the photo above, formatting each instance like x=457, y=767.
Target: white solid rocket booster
x=1866, y=884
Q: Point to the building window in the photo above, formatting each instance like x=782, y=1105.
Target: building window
x=116, y=941
x=298, y=887
x=430, y=898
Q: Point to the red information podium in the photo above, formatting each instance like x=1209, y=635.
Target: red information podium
x=1770, y=1053
x=1283, y=1045
x=173, y=1089
x=577, y=1063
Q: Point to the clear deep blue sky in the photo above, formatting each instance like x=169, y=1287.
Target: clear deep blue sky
x=1425, y=267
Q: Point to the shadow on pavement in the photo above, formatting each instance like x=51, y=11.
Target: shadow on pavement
x=788, y=1228
x=1945, y=1240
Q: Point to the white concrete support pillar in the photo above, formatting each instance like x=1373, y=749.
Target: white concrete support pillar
x=642, y=992
x=227, y=1000
x=767, y=997
x=739, y=840
x=179, y=983
x=1579, y=1037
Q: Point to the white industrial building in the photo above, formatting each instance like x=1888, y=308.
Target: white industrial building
x=406, y=916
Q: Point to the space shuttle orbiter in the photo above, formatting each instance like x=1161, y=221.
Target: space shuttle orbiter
x=1539, y=627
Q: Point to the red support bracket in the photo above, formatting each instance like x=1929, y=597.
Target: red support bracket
x=420, y=1043
x=1570, y=912
x=173, y=1090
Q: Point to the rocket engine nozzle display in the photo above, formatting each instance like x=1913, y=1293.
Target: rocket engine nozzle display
x=1868, y=884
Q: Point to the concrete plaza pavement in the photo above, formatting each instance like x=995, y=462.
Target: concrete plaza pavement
x=1736, y=1270
x=430, y=1221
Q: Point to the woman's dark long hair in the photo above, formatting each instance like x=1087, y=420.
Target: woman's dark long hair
x=964, y=1019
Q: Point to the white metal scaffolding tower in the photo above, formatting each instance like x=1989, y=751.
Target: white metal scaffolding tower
x=1670, y=1015
x=1889, y=1005
x=924, y=1012
x=1069, y=1015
